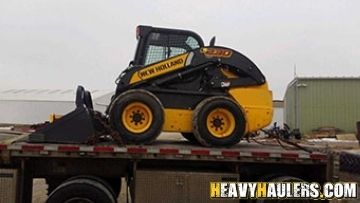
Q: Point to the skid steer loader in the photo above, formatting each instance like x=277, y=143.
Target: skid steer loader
x=212, y=95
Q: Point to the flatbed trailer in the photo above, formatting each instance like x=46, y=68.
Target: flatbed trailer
x=165, y=171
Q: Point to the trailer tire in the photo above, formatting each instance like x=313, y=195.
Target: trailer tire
x=84, y=189
x=218, y=121
x=138, y=116
x=112, y=184
x=190, y=137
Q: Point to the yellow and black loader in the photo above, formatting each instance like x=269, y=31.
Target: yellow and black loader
x=212, y=95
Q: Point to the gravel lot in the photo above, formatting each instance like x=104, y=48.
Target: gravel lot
x=39, y=191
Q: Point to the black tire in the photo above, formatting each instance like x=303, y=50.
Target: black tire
x=81, y=190
x=112, y=184
x=201, y=112
x=115, y=185
x=144, y=97
x=190, y=137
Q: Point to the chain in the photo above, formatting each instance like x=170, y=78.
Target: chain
x=106, y=129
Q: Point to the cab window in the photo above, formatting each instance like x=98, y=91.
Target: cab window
x=160, y=46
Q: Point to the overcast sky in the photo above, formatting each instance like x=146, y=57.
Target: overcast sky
x=59, y=44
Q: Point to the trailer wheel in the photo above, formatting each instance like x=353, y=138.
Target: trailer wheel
x=112, y=184
x=138, y=116
x=218, y=121
x=190, y=137
x=81, y=190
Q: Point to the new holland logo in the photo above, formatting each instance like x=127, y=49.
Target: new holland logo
x=283, y=190
x=160, y=68
x=216, y=52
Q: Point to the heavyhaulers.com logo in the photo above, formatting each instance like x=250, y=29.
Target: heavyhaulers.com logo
x=283, y=190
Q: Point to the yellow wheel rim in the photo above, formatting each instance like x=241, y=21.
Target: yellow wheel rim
x=220, y=122
x=137, y=117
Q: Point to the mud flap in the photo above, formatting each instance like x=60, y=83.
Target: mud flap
x=75, y=127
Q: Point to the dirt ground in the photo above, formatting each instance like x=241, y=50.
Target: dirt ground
x=39, y=191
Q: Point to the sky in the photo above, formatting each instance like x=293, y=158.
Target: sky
x=52, y=44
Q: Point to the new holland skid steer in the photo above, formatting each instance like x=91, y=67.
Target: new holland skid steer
x=212, y=95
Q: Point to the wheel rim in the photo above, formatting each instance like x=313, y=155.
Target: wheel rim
x=220, y=122
x=137, y=117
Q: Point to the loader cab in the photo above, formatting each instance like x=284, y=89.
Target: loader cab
x=157, y=44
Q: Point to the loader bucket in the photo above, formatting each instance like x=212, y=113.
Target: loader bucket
x=75, y=127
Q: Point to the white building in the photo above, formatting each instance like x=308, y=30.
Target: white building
x=29, y=106
x=278, y=113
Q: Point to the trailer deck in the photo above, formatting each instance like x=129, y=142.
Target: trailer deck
x=171, y=155
x=269, y=151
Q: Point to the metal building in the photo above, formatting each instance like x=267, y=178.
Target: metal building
x=311, y=103
x=29, y=106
